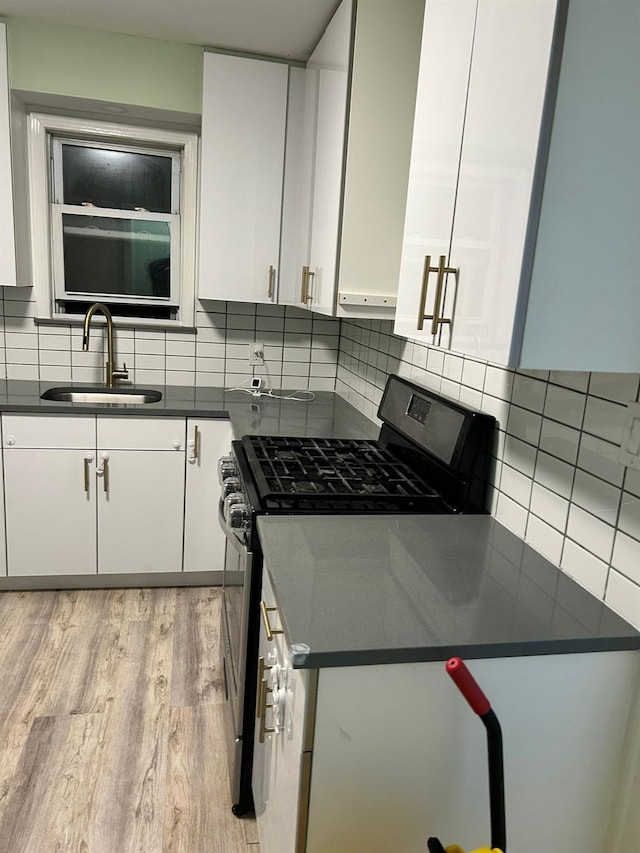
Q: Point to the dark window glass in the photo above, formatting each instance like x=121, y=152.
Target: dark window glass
x=127, y=257
x=154, y=312
x=118, y=179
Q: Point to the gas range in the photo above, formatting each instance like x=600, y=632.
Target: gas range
x=432, y=456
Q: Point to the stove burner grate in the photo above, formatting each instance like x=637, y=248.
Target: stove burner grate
x=308, y=473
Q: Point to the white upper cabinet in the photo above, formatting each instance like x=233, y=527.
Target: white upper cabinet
x=352, y=159
x=242, y=163
x=479, y=110
x=521, y=232
x=7, y=236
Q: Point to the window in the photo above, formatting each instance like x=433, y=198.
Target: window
x=118, y=219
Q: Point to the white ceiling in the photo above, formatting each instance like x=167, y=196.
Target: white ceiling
x=286, y=28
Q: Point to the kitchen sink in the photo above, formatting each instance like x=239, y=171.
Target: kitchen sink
x=120, y=395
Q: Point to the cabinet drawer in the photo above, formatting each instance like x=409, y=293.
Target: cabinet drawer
x=127, y=433
x=48, y=431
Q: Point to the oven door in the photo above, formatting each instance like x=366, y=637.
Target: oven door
x=240, y=570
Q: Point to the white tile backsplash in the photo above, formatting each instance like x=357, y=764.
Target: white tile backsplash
x=560, y=483
x=215, y=355
x=600, y=458
x=596, y=536
x=550, y=507
x=629, y=519
x=559, y=440
x=626, y=556
x=618, y=387
x=624, y=597
x=585, y=568
x=604, y=419
x=555, y=474
x=529, y=393
x=564, y=405
x=544, y=538
x=596, y=496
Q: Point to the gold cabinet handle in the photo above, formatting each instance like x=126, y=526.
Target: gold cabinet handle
x=193, y=446
x=310, y=275
x=305, y=293
x=263, y=729
x=272, y=277
x=88, y=459
x=436, y=319
x=269, y=631
x=436, y=303
x=426, y=269
x=262, y=684
x=195, y=452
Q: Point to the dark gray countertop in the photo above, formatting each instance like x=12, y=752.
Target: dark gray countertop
x=397, y=589
x=328, y=415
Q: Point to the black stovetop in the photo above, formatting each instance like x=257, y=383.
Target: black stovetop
x=309, y=474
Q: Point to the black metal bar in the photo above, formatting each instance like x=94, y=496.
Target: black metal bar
x=496, y=781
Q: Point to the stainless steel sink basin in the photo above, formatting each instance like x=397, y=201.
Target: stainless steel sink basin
x=120, y=395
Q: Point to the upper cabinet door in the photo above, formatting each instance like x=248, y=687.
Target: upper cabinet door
x=481, y=96
x=7, y=236
x=507, y=86
x=328, y=71
x=242, y=163
x=443, y=81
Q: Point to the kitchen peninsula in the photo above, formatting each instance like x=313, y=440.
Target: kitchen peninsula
x=366, y=720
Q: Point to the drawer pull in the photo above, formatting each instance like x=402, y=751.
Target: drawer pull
x=269, y=631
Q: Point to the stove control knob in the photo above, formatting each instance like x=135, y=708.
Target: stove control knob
x=226, y=468
x=230, y=485
x=238, y=516
x=236, y=512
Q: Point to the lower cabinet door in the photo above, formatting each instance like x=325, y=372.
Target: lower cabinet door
x=140, y=510
x=207, y=441
x=50, y=512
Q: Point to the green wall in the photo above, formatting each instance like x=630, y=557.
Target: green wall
x=104, y=66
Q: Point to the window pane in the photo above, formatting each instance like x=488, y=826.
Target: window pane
x=119, y=179
x=127, y=257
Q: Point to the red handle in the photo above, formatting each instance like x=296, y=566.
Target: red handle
x=468, y=686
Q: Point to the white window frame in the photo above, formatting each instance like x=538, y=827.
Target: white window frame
x=45, y=214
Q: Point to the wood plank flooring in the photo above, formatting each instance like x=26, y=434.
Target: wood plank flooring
x=111, y=736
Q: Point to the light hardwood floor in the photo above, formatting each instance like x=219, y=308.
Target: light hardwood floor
x=111, y=735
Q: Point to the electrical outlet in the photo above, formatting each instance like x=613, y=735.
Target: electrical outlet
x=256, y=353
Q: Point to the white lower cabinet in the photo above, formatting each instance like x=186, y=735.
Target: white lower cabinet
x=106, y=494
x=373, y=759
x=207, y=441
x=50, y=511
x=140, y=512
x=140, y=494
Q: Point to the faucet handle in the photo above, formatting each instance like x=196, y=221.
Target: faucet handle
x=121, y=373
